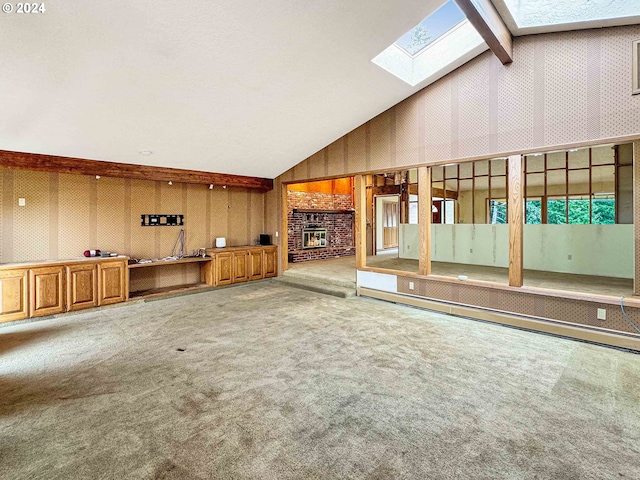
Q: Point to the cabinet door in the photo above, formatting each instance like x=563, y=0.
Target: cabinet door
x=224, y=269
x=240, y=266
x=14, y=300
x=256, y=264
x=113, y=284
x=47, y=290
x=270, y=262
x=82, y=286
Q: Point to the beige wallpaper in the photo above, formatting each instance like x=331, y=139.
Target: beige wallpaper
x=562, y=88
x=67, y=214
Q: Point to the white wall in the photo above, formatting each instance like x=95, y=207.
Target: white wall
x=605, y=250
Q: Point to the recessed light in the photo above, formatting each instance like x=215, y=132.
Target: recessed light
x=146, y=153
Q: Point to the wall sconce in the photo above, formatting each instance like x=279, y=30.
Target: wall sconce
x=211, y=186
x=170, y=182
x=97, y=177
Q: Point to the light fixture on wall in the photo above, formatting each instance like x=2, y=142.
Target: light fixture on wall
x=224, y=186
x=211, y=186
x=170, y=182
x=97, y=177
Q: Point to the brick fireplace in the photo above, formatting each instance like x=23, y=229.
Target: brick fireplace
x=320, y=212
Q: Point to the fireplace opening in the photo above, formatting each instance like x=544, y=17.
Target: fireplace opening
x=314, y=238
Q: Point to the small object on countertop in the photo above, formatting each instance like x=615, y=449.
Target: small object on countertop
x=181, y=349
x=221, y=242
x=92, y=253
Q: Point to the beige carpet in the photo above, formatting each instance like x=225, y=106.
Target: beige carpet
x=280, y=383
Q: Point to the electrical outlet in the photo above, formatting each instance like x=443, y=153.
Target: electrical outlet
x=569, y=257
x=22, y=202
x=411, y=286
x=602, y=314
x=471, y=250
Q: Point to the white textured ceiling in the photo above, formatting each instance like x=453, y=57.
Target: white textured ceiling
x=241, y=87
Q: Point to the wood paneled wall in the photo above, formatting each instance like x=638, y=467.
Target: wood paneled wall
x=562, y=89
x=67, y=214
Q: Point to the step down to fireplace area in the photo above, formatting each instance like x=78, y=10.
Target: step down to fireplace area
x=336, y=288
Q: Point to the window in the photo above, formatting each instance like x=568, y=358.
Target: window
x=571, y=187
x=436, y=46
x=533, y=13
x=533, y=211
x=413, y=209
x=431, y=28
x=497, y=211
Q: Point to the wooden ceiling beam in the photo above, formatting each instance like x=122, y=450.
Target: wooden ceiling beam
x=487, y=21
x=78, y=166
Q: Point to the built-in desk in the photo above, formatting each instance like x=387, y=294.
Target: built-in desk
x=221, y=266
x=205, y=266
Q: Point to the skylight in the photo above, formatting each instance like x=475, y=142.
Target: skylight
x=431, y=28
x=436, y=46
x=535, y=13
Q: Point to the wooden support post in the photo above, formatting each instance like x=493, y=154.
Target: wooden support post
x=361, y=221
x=284, y=229
x=404, y=197
x=636, y=216
x=424, y=220
x=515, y=208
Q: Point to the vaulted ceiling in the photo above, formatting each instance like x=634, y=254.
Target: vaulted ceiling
x=240, y=87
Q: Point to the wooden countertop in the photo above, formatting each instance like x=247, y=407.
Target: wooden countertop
x=68, y=261
x=213, y=251
x=159, y=263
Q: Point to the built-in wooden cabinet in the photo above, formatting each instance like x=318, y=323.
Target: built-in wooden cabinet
x=256, y=264
x=113, y=284
x=82, y=286
x=224, y=268
x=47, y=290
x=270, y=262
x=14, y=294
x=240, y=266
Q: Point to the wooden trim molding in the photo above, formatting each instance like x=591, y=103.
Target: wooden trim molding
x=489, y=24
x=78, y=166
x=515, y=209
